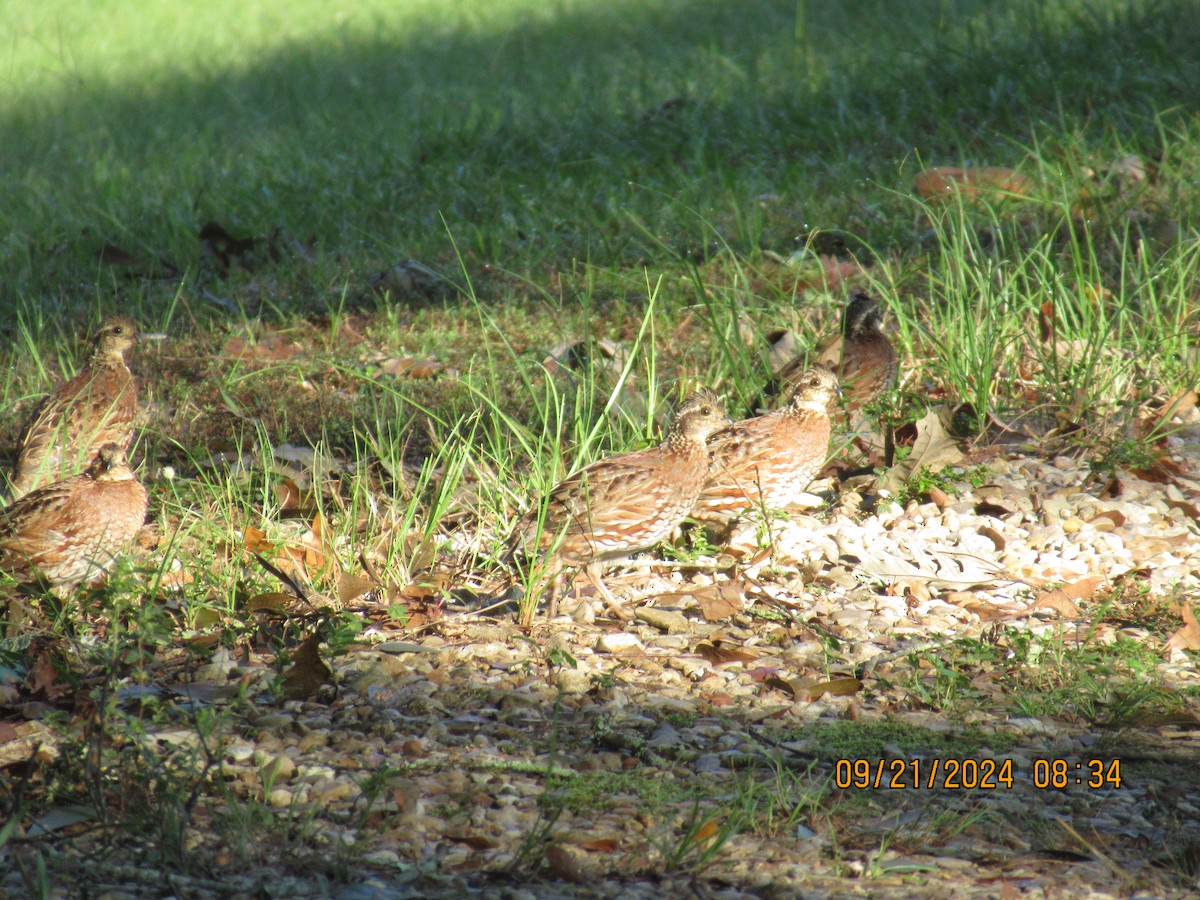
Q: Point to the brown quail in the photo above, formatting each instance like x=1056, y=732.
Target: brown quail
x=68, y=532
x=94, y=408
x=626, y=502
x=769, y=460
x=862, y=357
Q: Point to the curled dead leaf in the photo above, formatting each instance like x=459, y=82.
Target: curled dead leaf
x=994, y=536
x=1107, y=520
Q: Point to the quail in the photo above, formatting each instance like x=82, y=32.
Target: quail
x=627, y=502
x=769, y=460
x=865, y=361
x=68, y=532
x=94, y=408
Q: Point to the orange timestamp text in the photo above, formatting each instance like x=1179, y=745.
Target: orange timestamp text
x=973, y=774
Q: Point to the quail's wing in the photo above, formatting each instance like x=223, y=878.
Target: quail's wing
x=736, y=449
x=40, y=521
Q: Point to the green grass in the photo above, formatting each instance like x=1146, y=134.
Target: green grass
x=579, y=172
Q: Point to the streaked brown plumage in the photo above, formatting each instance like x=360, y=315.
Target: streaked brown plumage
x=94, y=408
x=626, y=502
x=68, y=532
x=862, y=357
x=769, y=460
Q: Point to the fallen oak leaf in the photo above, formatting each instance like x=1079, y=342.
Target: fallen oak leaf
x=307, y=672
x=1187, y=637
x=720, y=601
x=933, y=449
x=1062, y=600
x=351, y=587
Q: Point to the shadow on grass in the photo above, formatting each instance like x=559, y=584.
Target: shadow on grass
x=605, y=132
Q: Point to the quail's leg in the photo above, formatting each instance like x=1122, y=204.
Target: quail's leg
x=618, y=609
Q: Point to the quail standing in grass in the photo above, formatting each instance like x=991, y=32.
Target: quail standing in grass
x=769, y=461
x=865, y=362
x=96, y=407
x=69, y=531
x=627, y=502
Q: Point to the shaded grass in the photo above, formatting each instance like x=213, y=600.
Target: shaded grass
x=366, y=136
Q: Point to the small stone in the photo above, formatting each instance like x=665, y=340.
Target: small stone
x=279, y=798
x=618, y=642
x=278, y=770
x=671, y=621
x=574, y=681
x=1072, y=525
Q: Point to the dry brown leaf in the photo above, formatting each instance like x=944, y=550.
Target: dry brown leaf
x=43, y=678
x=472, y=839
x=720, y=601
x=1046, y=328
x=941, y=182
x=1062, y=600
x=307, y=672
x=1107, y=520
x=288, y=493
x=994, y=536
x=600, y=845
x=837, y=687
x=720, y=656
x=270, y=601
x=255, y=540
x=762, y=673
x=351, y=587
x=939, y=497
x=933, y=449
x=1188, y=509
x=1187, y=637
x=1163, y=470
x=793, y=687
x=976, y=603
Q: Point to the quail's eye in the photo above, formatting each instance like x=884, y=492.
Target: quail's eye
x=706, y=410
x=117, y=329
